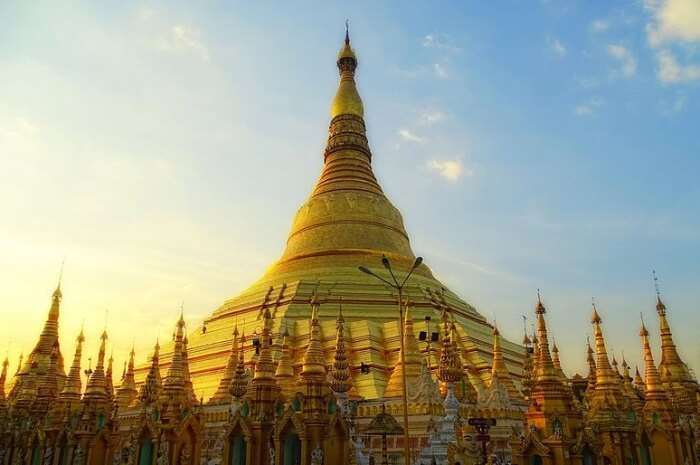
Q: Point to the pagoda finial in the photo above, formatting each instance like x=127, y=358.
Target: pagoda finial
x=604, y=371
x=638, y=381
x=174, y=381
x=347, y=100
x=545, y=365
x=499, y=370
x=109, y=381
x=341, y=382
x=73, y=385
x=412, y=359
x=126, y=392
x=314, y=363
x=264, y=366
x=96, y=388
x=652, y=380
x=150, y=389
x=672, y=368
x=239, y=382
x=223, y=391
x=284, y=374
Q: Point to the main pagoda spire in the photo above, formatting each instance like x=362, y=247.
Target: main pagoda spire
x=673, y=371
x=347, y=216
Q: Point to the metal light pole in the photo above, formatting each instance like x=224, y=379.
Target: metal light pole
x=398, y=286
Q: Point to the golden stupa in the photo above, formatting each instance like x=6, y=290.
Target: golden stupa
x=346, y=222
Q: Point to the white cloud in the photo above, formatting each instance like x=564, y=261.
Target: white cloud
x=440, y=41
x=557, y=47
x=410, y=136
x=431, y=117
x=440, y=71
x=451, y=170
x=671, y=72
x=627, y=61
x=673, y=23
x=600, y=25
x=588, y=108
x=182, y=38
x=673, y=20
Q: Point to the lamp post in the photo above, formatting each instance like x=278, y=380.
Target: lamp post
x=398, y=286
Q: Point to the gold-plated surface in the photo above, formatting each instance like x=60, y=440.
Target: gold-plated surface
x=347, y=221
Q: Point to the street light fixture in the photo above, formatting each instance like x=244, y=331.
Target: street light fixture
x=398, y=286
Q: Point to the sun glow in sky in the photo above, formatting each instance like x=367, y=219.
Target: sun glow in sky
x=162, y=148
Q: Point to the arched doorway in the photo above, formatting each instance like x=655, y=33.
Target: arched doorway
x=661, y=448
x=589, y=457
x=146, y=450
x=335, y=449
x=536, y=460
x=36, y=454
x=237, y=448
x=187, y=448
x=99, y=452
x=291, y=448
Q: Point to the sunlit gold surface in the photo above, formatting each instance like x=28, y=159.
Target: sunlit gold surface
x=347, y=221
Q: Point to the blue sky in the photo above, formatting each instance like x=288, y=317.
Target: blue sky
x=163, y=149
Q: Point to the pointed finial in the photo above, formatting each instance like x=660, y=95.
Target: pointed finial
x=60, y=274
x=595, y=318
x=643, y=331
x=540, y=306
x=347, y=32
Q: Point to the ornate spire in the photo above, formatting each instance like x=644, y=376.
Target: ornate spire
x=264, y=386
x=638, y=381
x=615, y=366
x=347, y=218
x=347, y=100
x=48, y=340
x=556, y=362
x=285, y=369
x=591, y=366
x=341, y=381
x=628, y=388
x=499, y=371
x=239, y=382
x=413, y=359
x=265, y=368
x=175, y=378
x=223, y=391
x=314, y=363
x=73, y=387
x=656, y=400
x=152, y=386
x=450, y=368
x=109, y=381
x=607, y=395
x=96, y=388
x=673, y=371
x=126, y=392
x=652, y=380
x=545, y=366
